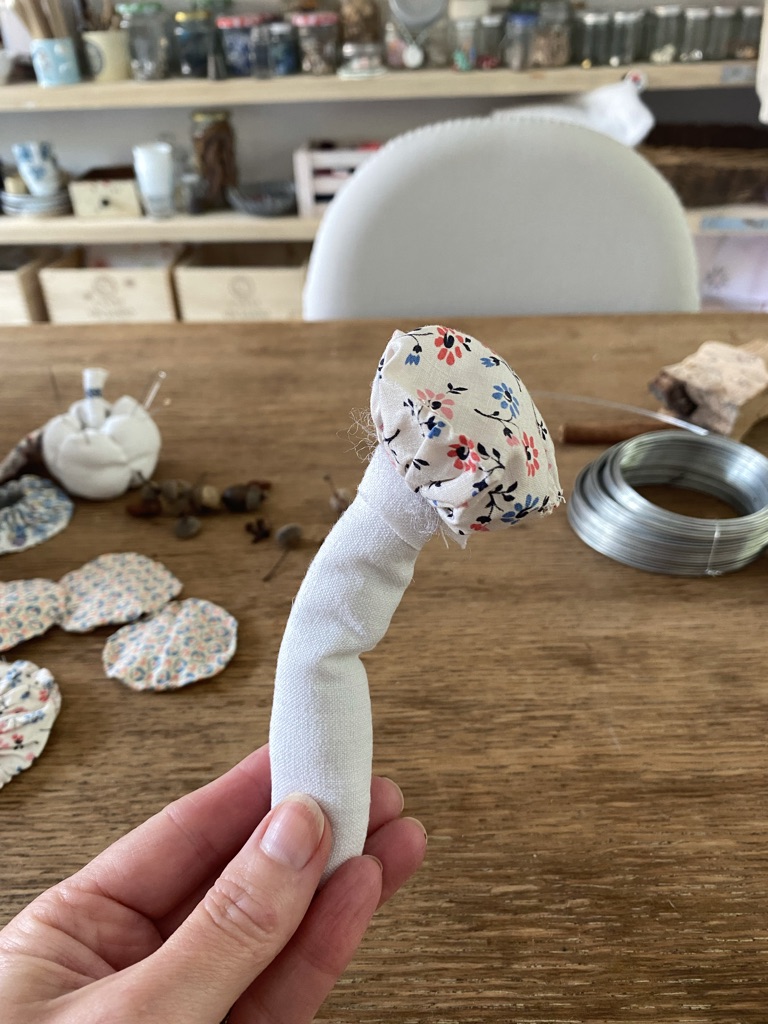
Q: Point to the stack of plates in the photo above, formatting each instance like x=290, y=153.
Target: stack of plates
x=36, y=206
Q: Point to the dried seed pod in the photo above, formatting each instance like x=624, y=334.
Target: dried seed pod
x=186, y=527
x=287, y=538
x=259, y=529
x=340, y=499
x=149, y=490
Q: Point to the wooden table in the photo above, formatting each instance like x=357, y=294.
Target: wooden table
x=585, y=742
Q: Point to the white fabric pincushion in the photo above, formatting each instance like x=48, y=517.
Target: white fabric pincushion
x=99, y=450
x=461, y=445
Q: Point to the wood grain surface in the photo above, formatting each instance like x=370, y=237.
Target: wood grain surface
x=585, y=742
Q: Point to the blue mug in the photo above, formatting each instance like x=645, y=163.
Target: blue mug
x=54, y=61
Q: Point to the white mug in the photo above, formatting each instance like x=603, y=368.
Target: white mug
x=154, y=167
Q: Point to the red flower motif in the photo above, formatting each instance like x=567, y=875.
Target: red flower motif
x=437, y=403
x=449, y=343
x=479, y=527
x=531, y=454
x=464, y=454
x=43, y=696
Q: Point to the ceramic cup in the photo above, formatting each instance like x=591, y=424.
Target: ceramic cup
x=154, y=166
x=54, y=61
x=107, y=56
x=37, y=167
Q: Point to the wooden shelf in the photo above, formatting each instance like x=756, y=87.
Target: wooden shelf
x=397, y=85
x=208, y=227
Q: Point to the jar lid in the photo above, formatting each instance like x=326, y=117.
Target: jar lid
x=697, y=13
x=627, y=17
x=522, y=18
x=241, y=20
x=311, y=19
x=721, y=11
x=666, y=10
x=593, y=17
x=279, y=28
x=192, y=16
x=201, y=116
x=492, y=20
x=751, y=11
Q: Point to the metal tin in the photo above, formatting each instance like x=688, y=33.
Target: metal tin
x=626, y=37
x=694, y=34
x=592, y=38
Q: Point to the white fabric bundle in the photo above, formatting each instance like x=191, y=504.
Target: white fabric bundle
x=462, y=446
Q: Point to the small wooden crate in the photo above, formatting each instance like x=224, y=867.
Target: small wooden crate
x=76, y=294
x=321, y=171
x=106, y=192
x=258, y=281
x=21, y=295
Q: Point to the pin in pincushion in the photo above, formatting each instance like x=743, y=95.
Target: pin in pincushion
x=462, y=447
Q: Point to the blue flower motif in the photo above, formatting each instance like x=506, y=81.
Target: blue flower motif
x=520, y=509
x=412, y=358
x=489, y=361
x=502, y=393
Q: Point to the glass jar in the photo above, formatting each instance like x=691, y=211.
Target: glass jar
x=626, y=38
x=663, y=33
x=749, y=25
x=720, y=35
x=490, y=35
x=361, y=60
x=283, y=48
x=235, y=35
x=551, y=47
x=318, y=41
x=518, y=39
x=195, y=33
x=464, y=43
x=213, y=142
x=693, y=35
x=148, y=29
x=360, y=21
x=592, y=34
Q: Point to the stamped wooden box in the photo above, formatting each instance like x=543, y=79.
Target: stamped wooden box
x=258, y=281
x=322, y=170
x=21, y=296
x=77, y=294
x=106, y=192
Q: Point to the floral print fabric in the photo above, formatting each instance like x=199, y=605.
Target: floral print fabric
x=114, y=589
x=28, y=608
x=185, y=642
x=32, y=510
x=29, y=703
x=463, y=431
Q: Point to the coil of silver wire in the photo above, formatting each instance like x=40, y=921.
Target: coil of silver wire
x=607, y=512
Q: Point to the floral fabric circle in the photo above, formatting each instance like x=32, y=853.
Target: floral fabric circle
x=32, y=510
x=462, y=429
x=185, y=642
x=28, y=608
x=30, y=700
x=113, y=589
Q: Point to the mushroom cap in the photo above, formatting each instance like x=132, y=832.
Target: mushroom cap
x=463, y=431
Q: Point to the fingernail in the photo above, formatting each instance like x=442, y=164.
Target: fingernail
x=417, y=822
x=397, y=788
x=294, y=831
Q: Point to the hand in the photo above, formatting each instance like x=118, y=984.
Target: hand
x=210, y=904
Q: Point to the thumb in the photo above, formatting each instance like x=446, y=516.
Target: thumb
x=242, y=922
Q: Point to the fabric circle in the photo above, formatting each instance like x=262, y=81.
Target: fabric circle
x=28, y=608
x=463, y=431
x=185, y=642
x=113, y=589
x=30, y=700
x=32, y=509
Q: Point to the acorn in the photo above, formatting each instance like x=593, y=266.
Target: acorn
x=287, y=538
x=206, y=498
x=186, y=527
x=144, y=508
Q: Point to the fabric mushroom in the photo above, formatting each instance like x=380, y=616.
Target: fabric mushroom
x=461, y=448
x=99, y=450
